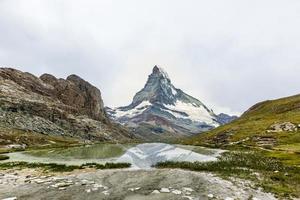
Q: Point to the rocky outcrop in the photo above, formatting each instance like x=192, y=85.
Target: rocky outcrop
x=51, y=106
x=76, y=92
x=281, y=127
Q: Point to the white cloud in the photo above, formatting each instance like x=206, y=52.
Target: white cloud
x=229, y=54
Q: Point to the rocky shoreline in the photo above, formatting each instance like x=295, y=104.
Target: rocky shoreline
x=123, y=184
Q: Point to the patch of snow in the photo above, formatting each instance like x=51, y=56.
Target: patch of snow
x=174, y=92
x=195, y=113
x=133, y=112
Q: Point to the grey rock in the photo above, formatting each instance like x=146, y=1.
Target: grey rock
x=280, y=127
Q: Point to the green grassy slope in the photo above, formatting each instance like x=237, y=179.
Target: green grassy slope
x=250, y=130
x=256, y=149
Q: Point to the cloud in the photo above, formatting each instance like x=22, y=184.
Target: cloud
x=229, y=54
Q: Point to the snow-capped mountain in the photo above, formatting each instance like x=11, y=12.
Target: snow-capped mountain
x=161, y=107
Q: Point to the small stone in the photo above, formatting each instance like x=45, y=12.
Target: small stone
x=41, y=181
x=165, y=190
x=62, y=188
x=10, y=198
x=286, y=174
x=98, y=186
x=177, y=192
x=62, y=184
x=88, y=190
x=188, y=197
x=156, y=192
x=210, y=196
x=229, y=198
x=188, y=189
x=134, y=189
x=106, y=193
x=95, y=189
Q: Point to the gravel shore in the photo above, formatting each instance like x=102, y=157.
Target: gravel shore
x=124, y=184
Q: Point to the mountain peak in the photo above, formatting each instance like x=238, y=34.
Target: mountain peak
x=155, y=69
x=159, y=71
x=158, y=89
x=162, y=106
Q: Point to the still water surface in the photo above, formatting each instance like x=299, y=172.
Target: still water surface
x=141, y=156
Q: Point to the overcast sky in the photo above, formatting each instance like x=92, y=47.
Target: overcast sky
x=229, y=54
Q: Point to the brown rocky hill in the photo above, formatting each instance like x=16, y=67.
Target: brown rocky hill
x=49, y=106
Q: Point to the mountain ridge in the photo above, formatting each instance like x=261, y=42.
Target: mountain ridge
x=159, y=105
x=45, y=105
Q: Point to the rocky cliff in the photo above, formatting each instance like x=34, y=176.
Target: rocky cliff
x=47, y=105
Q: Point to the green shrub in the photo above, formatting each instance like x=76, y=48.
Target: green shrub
x=4, y=157
x=53, y=167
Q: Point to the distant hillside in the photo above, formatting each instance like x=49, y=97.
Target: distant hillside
x=33, y=108
x=269, y=124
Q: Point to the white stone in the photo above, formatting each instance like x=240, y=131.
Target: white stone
x=188, y=189
x=188, y=197
x=156, y=192
x=98, y=186
x=229, y=198
x=177, y=192
x=165, y=190
x=210, y=196
x=10, y=198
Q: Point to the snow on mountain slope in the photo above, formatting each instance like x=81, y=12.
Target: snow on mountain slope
x=133, y=112
x=192, y=111
x=161, y=105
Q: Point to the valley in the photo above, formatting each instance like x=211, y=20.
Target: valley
x=59, y=141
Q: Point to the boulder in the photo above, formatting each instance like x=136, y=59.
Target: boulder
x=281, y=127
